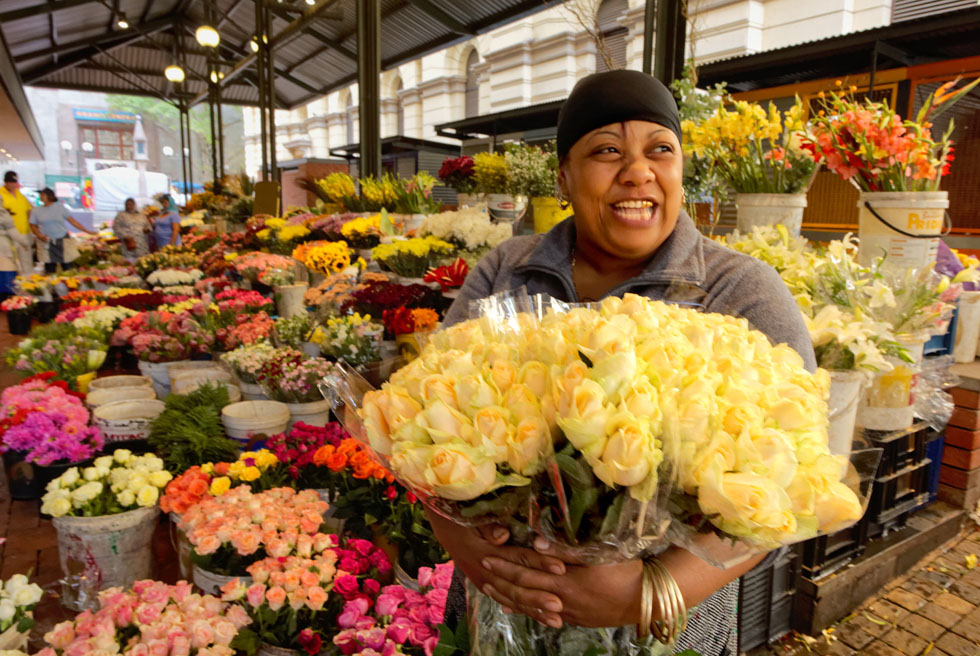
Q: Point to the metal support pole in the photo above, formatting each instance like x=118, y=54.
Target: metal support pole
x=183, y=155
x=214, y=136
x=221, y=135
x=262, y=39
x=190, y=149
x=671, y=32
x=649, y=13
x=270, y=80
x=369, y=85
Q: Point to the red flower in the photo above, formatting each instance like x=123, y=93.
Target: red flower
x=391, y=493
x=310, y=642
x=450, y=276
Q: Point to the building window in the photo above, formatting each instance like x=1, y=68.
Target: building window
x=911, y=9
x=611, y=55
x=350, y=119
x=400, y=116
x=472, y=85
x=110, y=143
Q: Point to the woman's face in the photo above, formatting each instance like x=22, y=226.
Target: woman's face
x=624, y=182
x=130, y=206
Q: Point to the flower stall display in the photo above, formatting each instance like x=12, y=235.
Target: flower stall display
x=171, y=277
x=402, y=620
x=353, y=338
x=73, y=357
x=172, y=257
x=151, y=618
x=18, y=309
x=324, y=257
x=293, y=331
x=105, y=515
x=411, y=258
x=18, y=599
x=247, y=362
x=291, y=378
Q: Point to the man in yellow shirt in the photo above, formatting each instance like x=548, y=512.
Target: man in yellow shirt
x=20, y=209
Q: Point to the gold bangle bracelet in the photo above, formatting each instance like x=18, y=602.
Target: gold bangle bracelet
x=646, y=601
x=678, y=609
x=660, y=626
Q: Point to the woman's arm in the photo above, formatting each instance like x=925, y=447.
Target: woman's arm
x=174, y=230
x=37, y=232
x=79, y=226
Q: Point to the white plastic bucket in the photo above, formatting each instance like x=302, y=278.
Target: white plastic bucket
x=289, y=300
x=122, y=421
x=211, y=583
x=97, y=398
x=110, y=382
x=252, y=392
x=506, y=208
x=247, y=418
x=187, y=384
x=757, y=210
x=109, y=551
x=203, y=368
x=186, y=378
x=888, y=403
x=315, y=413
x=159, y=372
x=920, y=214
x=845, y=396
x=967, y=327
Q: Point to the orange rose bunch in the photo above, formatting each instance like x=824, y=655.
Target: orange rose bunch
x=185, y=491
x=349, y=454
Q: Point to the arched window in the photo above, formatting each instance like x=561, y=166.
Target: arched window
x=472, y=85
x=613, y=36
x=400, y=120
x=350, y=119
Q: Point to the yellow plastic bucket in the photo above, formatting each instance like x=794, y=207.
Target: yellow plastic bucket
x=548, y=213
x=903, y=226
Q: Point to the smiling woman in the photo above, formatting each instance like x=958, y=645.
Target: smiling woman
x=619, y=143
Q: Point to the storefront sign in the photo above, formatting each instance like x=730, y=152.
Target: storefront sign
x=103, y=116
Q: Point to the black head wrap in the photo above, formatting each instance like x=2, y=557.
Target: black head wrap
x=613, y=97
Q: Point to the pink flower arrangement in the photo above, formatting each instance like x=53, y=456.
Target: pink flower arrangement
x=238, y=528
x=251, y=265
x=164, y=337
x=152, y=618
x=47, y=422
x=296, y=450
x=69, y=315
x=402, y=618
x=237, y=301
x=293, y=377
x=18, y=304
x=249, y=329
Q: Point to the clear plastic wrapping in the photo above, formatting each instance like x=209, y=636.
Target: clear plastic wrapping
x=932, y=402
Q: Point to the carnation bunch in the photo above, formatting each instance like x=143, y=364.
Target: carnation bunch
x=174, y=257
x=403, y=321
x=169, y=337
x=103, y=320
x=353, y=338
x=45, y=396
x=251, y=265
x=239, y=528
x=297, y=451
x=411, y=258
x=249, y=329
x=292, y=377
x=113, y=484
x=53, y=437
x=18, y=304
x=236, y=301
x=171, y=277
x=247, y=361
x=277, y=277
x=18, y=597
x=151, y=618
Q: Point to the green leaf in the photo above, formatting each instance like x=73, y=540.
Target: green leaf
x=25, y=624
x=386, y=226
x=246, y=641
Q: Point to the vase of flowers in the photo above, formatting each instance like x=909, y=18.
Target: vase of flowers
x=18, y=309
x=105, y=516
x=410, y=328
x=457, y=172
x=354, y=338
x=896, y=164
x=758, y=153
x=292, y=378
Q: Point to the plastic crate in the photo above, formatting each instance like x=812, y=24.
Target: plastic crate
x=942, y=344
x=895, y=497
x=934, y=452
x=765, y=601
x=901, y=448
x=825, y=554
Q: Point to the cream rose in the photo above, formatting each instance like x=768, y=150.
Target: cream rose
x=494, y=426
x=536, y=377
x=474, y=393
x=440, y=387
x=742, y=503
x=529, y=445
x=444, y=424
x=459, y=472
x=583, y=415
x=768, y=453
x=386, y=412
x=503, y=373
x=521, y=402
x=409, y=462
x=630, y=454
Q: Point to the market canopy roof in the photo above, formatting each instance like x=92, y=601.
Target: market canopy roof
x=78, y=44
x=950, y=35
x=20, y=137
x=543, y=116
x=397, y=144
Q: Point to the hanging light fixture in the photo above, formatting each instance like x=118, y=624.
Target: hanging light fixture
x=214, y=76
x=254, y=44
x=121, y=21
x=174, y=73
x=207, y=36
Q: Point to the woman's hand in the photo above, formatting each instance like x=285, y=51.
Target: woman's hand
x=130, y=243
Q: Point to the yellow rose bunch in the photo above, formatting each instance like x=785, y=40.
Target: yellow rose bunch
x=640, y=393
x=412, y=258
x=248, y=468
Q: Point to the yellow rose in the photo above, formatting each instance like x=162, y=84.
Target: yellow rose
x=147, y=496
x=410, y=377
x=630, y=454
x=250, y=474
x=611, y=336
x=443, y=423
x=498, y=352
x=460, y=472
x=642, y=400
x=521, y=402
x=409, y=462
x=837, y=507
x=57, y=507
x=456, y=364
x=529, y=445
x=747, y=505
x=582, y=417
x=536, y=377
x=503, y=373
x=769, y=453
x=439, y=387
x=160, y=478
x=474, y=393
x=386, y=412
x=265, y=458
x=493, y=425
x=220, y=485
x=710, y=459
x=464, y=336
x=126, y=498
x=741, y=417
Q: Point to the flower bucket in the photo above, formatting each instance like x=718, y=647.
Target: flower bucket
x=182, y=547
x=19, y=323
x=46, y=311
x=289, y=300
x=468, y=200
x=21, y=476
x=310, y=349
x=252, y=392
x=99, y=397
x=47, y=473
x=82, y=381
x=770, y=209
x=845, y=396
x=126, y=421
x=903, y=225
x=187, y=384
x=211, y=583
x=364, y=254
x=159, y=372
x=548, y=213
x=967, y=327
x=265, y=649
x=249, y=418
x=506, y=208
x=105, y=552
x=110, y=382
x=316, y=413
x=888, y=402
x=204, y=369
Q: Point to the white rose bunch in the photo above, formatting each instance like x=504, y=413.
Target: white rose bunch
x=171, y=277
x=18, y=597
x=113, y=484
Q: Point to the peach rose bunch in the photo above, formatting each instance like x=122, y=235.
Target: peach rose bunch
x=624, y=400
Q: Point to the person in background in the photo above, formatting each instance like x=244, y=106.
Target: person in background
x=131, y=227
x=49, y=225
x=12, y=241
x=19, y=208
x=166, y=227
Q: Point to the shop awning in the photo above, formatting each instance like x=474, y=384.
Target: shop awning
x=522, y=119
x=939, y=37
x=398, y=144
x=79, y=44
x=20, y=139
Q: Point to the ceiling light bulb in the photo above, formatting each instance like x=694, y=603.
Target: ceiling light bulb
x=122, y=23
x=254, y=45
x=214, y=77
x=311, y=2
x=207, y=36
x=174, y=73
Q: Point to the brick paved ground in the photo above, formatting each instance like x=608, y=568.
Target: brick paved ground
x=933, y=610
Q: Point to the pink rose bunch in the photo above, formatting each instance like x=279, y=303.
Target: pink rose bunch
x=292, y=582
x=239, y=527
x=402, y=618
x=17, y=304
x=166, y=337
x=249, y=329
x=152, y=618
x=253, y=264
x=238, y=301
x=72, y=313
